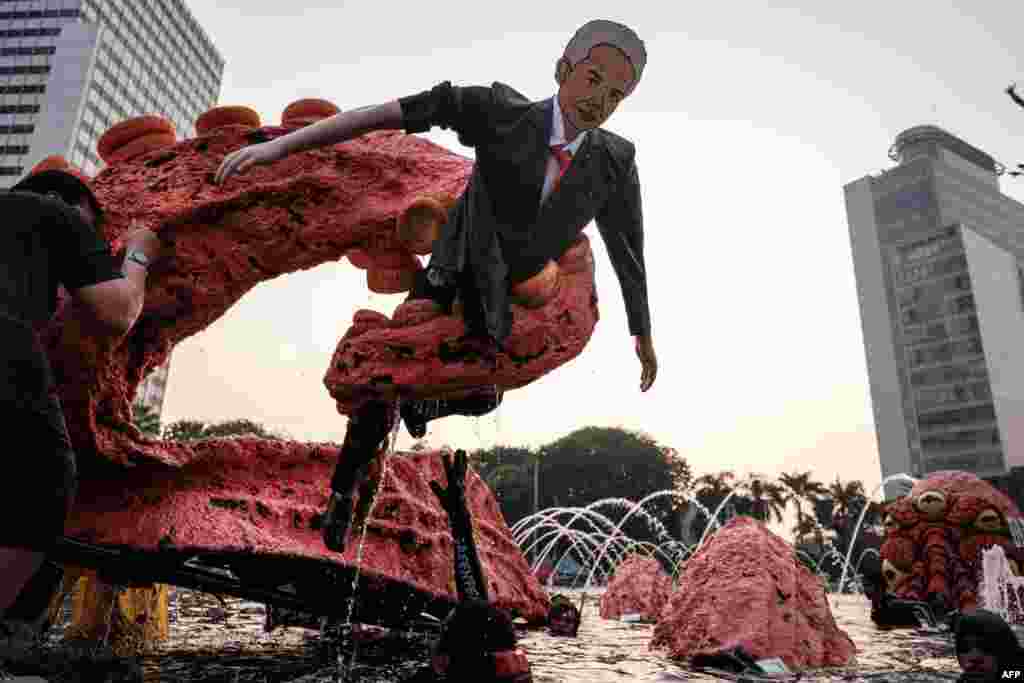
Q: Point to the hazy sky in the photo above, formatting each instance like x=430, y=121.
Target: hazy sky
x=748, y=122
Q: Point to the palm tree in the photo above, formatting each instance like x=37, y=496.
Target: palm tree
x=804, y=527
x=769, y=499
x=801, y=488
x=710, y=490
x=844, y=494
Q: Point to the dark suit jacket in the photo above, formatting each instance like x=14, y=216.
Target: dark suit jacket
x=498, y=233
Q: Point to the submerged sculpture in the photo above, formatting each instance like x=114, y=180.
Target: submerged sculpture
x=309, y=209
x=934, y=538
x=639, y=587
x=746, y=589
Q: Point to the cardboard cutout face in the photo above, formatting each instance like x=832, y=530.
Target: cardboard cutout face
x=591, y=91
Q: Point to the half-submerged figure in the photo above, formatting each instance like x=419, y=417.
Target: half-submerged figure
x=986, y=647
x=564, y=617
x=543, y=171
x=478, y=640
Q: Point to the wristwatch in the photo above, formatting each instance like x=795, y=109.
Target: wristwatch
x=138, y=257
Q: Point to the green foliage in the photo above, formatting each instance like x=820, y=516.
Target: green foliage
x=802, y=488
x=585, y=466
x=146, y=419
x=189, y=430
x=768, y=500
x=184, y=430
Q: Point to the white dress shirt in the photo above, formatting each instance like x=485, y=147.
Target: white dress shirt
x=557, y=138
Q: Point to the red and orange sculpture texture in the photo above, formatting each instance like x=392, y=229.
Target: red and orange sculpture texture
x=934, y=538
x=311, y=208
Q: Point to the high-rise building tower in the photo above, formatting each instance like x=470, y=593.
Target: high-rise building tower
x=936, y=251
x=70, y=69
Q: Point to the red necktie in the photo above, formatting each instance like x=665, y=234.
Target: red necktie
x=563, y=158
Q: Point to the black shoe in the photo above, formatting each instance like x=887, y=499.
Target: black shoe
x=337, y=520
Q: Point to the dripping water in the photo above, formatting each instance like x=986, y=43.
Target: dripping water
x=346, y=629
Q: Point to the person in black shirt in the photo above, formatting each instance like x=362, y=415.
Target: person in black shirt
x=50, y=237
x=478, y=640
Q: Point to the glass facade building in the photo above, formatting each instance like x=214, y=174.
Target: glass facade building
x=70, y=69
x=936, y=248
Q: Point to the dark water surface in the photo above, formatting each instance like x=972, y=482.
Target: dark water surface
x=213, y=645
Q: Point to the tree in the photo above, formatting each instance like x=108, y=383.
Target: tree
x=184, y=430
x=189, y=430
x=586, y=466
x=238, y=427
x=508, y=471
x=710, y=490
x=769, y=499
x=801, y=488
x=844, y=495
x=146, y=419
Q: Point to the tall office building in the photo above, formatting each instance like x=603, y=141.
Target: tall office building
x=936, y=252
x=70, y=69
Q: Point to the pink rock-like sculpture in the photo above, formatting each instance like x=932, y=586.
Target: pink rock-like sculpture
x=934, y=537
x=639, y=586
x=415, y=352
x=745, y=588
x=303, y=211
x=252, y=498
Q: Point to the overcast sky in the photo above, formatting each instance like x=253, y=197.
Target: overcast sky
x=748, y=122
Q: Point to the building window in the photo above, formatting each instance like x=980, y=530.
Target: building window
x=41, y=14
x=19, y=109
x=22, y=70
x=29, y=32
x=22, y=89
x=27, y=51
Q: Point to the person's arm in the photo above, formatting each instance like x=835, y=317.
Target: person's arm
x=469, y=574
x=466, y=110
x=621, y=225
x=113, y=292
x=342, y=127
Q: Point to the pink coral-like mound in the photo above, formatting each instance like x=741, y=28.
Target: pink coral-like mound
x=745, y=587
x=246, y=497
x=639, y=586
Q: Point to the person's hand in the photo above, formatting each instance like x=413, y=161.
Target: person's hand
x=649, y=361
x=240, y=160
x=453, y=498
